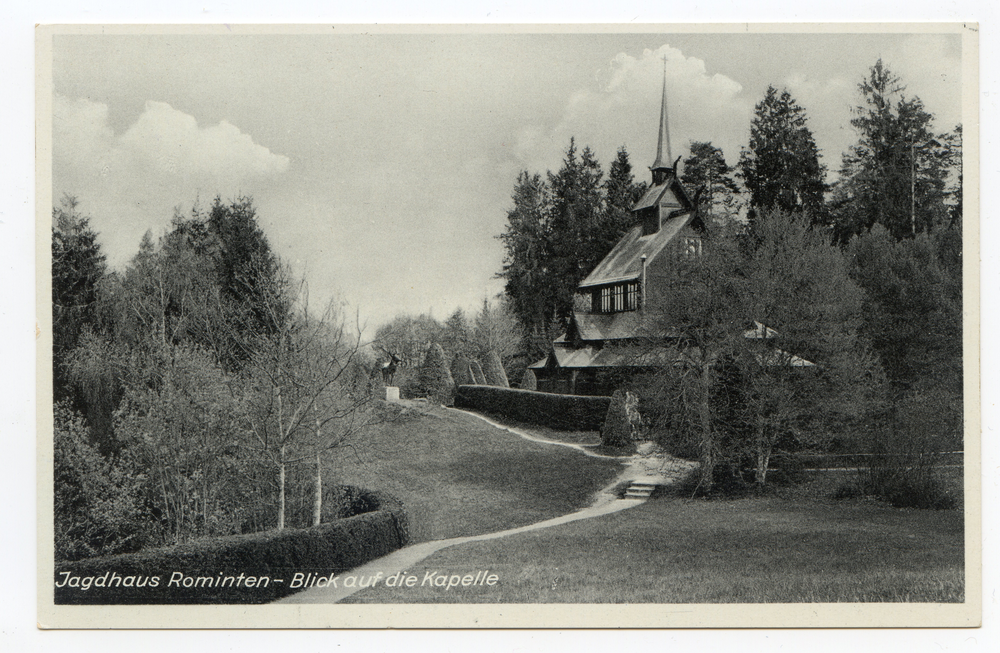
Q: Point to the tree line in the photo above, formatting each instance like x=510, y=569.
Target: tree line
x=197, y=392
x=861, y=276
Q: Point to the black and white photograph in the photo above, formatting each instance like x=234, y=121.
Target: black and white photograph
x=508, y=326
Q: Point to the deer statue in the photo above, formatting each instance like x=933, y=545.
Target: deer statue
x=389, y=367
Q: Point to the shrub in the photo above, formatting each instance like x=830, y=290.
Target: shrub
x=616, y=431
x=494, y=372
x=564, y=412
x=898, y=467
x=276, y=555
x=528, y=381
x=433, y=378
x=461, y=374
x=477, y=373
x=98, y=505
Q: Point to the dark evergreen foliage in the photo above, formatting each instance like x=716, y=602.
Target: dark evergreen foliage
x=616, y=431
x=781, y=167
x=897, y=175
x=706, y=170
x=434, y=378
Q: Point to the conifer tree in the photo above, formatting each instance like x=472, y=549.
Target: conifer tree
x=897, y=173
x=781, y=167
x=706, y=170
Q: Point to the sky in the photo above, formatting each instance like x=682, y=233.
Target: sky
x=382, y=165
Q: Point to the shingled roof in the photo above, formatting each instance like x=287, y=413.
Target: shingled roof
x=624, y=262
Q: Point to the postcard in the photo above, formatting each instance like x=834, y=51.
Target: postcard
x=487, y=326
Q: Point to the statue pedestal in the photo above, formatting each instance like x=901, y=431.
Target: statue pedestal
x=392, y=394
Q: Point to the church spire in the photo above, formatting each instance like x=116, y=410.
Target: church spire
x=663, y=155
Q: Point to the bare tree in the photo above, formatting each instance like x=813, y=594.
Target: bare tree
x=301, y=402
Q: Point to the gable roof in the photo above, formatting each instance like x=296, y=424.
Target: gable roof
x=624, y=262
x=654, y=195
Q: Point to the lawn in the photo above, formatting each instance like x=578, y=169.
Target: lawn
x=676, y=550
x=457, y=475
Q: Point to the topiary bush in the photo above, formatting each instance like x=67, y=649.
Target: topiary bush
x=494, y=372
x=434, y=378
x=477, y=373
x=461, y=373
x=616, y=430
x=528, y=381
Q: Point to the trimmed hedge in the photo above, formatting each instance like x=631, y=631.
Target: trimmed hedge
x=563, y=412
x=238, y=569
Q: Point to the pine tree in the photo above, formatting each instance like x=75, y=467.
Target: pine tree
x=896, y=174
x=616, y=431
x=781, y=166
x=493, y=370
x=706, y=170
x=526, y=267
x=621, y=192
x=78, y=266
x=575, y=224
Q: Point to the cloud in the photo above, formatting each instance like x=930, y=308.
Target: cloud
x=623, y=108
x=131, y=182
x=162, y=141
x=827, y=103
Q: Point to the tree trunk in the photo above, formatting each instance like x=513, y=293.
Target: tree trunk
x=761, y=471
x=707, y=448
x=318, y=499
x=281, y=489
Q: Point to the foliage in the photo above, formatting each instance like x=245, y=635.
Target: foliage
x=456, y=336
x=201, y=365
x=780, y=167
x=496, y=330
x=493, y=370
x=328, y=548
x=434, y=378
x=478, y=378
x=706, y=170
x=739, y=384
x=616, y=430
x=98, y=502
x=557, y=231
x=408, y=337
x=461, y=371
x=182, y=433
x=900, y=457
x=897, y=174
x=529, y=381
x=913, y=307
x=78, y=265
x=568, y=412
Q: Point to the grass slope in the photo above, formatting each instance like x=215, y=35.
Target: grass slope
x=683, y=551
x=457, y=475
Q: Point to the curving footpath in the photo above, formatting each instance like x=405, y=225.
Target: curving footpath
x=605, y=502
